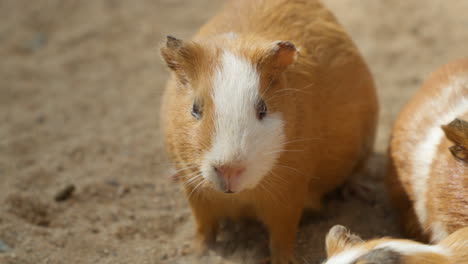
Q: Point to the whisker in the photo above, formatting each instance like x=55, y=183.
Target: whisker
x=267, y=89
x=291, y=168
x=195, y=188
x=278, y=178
x=174, y=163
x=300, y=140
x=192, y=180
x=191, y=175
x=292, y=89
x=277, y=94
x=267, y=191
x=284, y=150
x=287, y=89
x=186, y=168
x=280, y=199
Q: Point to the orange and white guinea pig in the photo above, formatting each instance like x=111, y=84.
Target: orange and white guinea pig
x=428, y=172
x=346, y=248
x=256, y=128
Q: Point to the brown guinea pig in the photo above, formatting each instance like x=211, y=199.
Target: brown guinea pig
x=256, y=128
x=346, y=248
x=428, y=172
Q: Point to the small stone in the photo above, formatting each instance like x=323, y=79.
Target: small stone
x=65, y=193
x=113, y=182
x=123, y=190
x=164, y=257
x=37, y=42
x=40, y=119
x=4, y=247
x=60, y=168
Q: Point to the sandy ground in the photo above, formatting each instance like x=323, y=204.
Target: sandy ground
x=80, y=83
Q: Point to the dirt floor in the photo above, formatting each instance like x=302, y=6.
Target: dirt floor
x=80, y=83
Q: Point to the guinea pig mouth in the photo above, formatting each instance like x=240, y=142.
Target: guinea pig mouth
x=227, y=186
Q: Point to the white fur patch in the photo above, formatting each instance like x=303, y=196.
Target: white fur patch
x=439, y=232
x=426, y=148
x=424, y=155
x=406, y=248
x=346, y=257
x=239, y=136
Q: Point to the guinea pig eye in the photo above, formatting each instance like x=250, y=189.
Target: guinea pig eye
x=261, y=109
x=196, y=111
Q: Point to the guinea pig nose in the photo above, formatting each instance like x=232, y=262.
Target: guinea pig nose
x=228, y=176
x=228, y=172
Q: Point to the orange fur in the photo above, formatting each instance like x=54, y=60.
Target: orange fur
x=447, y=186
x=325, y=93
x=458, y=242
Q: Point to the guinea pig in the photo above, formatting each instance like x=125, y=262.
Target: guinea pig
x=345, y=248
x=268, y=108
x=428, y=170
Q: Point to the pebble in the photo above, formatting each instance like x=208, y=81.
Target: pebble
x=164, y=257
x=123, y=190
x=65, y=193
x=113, y=182
x=37, y=42
x=4, y=247
x=40, y=119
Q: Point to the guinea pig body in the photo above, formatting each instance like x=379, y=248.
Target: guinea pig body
x=346, y=248
x=269, y=107
x=428, y=178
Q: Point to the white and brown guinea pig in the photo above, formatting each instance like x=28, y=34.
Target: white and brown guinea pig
x=269, y=107
x=428, y=172
x=344, y=247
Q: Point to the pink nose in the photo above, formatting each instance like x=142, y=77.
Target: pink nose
x=229, y=174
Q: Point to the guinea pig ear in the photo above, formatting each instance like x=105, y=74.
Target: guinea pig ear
x=338, y=239
x=181, y=57
x=279, y=56
x=457, y=132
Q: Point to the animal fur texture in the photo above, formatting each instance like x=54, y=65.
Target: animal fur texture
x=426, y=181
x=344, y=247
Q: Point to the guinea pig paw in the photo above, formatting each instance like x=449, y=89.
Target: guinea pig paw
x=199, y=248
x=202, y=244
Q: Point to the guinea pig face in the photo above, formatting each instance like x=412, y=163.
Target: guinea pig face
x=246, y=133
x=248, y=136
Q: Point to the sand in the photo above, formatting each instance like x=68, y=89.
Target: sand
x=80, y=84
